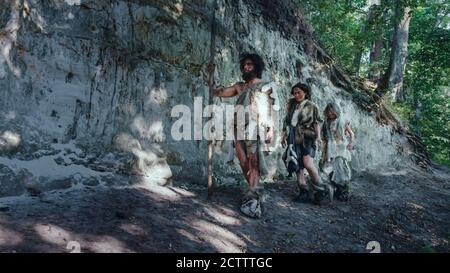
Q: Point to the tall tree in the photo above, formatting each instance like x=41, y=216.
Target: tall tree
x=373, y=4
x=393, y=78
x=375, y=58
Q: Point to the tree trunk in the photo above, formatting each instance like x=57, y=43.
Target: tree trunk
x=393, y=78
x=374, y=59
x=370, y=16
x=374, y=73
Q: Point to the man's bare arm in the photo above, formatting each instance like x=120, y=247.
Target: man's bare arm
x=227, y=91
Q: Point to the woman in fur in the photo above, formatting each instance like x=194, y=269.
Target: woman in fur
x=301, y=136
x=336, y=153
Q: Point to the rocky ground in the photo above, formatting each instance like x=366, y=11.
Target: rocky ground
x=405, y=211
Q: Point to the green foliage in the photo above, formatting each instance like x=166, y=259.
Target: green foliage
x=337, y=25
x=427, y=79
x=428, y=248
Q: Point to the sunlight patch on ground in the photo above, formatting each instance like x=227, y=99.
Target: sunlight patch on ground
x=53, y=234
x=392, y=173
x=221, y=217
x=183, y=192
x=106, y=244
x=161, y=193
x=58, y=236
x=251, y=241
x=220, y=238
x=284, y=204
x=9, y=237
x=73, y=2
x=132, y=229
x=415, y=206
x=188, y=235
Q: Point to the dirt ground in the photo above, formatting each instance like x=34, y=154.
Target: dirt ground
x=404, y=211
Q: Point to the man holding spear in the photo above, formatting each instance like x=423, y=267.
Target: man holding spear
x=252, y=132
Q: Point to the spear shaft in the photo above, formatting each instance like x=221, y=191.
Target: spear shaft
x=212, y=50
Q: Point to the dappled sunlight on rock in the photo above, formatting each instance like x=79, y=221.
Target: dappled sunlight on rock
x=153, y=131
x=156, y=97
x=8, y=37
x=36, y=17
x=10, y=115
x=126, y=142
x=9, y=141
x=150, y=162
x=177, y=12
x=153, y=167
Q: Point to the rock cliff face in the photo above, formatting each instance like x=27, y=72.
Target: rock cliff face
x=87, y=88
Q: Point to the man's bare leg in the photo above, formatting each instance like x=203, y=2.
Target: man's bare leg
x=254, y=170
x=249, y=166
x=240, y=153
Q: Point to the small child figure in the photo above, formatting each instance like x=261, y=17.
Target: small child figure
x=336, y=153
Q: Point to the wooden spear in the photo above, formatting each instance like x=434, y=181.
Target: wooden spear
x=212, y=50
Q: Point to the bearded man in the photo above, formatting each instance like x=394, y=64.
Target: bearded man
x=255, y=120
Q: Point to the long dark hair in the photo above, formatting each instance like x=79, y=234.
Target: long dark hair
x=334, y=108
x=304, y=87
x=257, y=61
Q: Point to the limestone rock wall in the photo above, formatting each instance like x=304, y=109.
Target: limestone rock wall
x=87, y=88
